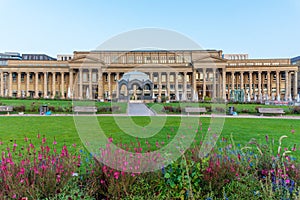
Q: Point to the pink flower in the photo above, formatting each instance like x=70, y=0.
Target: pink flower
x=110, y=139
x=15, y=145
x=116, y=175
x=293, y=131
x=54, y=142
x=102, y=181
x=22, y=170
x=43, y=140
x=74, y=145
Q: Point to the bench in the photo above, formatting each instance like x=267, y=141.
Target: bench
x=189, y=110
x=6, y=109
x=85, y=109
x=271, y=111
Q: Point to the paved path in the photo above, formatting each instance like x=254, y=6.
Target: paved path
x=139, y=109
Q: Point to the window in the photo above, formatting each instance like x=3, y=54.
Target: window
x=163, y=59
x=22, y=77
x=172, y=78
x=107, y=59
x=179, y=59
x=155, y=59
x=94, y=77
x=85, y=77
x=14, y=77
x=171, y=59
x=130, y=59
x=163, y=78
x=123, y=59
x=155, y=78
x=139, y=59
x=114, y=59
x=147, y=59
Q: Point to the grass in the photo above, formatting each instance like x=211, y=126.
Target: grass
x=66, y=105
x=63, y=129
x=239, y=108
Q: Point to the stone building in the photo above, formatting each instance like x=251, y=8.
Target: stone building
x=183, y=75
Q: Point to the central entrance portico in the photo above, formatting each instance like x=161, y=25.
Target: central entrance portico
x=135, y=86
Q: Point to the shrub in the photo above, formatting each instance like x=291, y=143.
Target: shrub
x=220, y=109
x=296, y=110
x=19, y=108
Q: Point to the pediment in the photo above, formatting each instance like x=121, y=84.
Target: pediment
x=86, y=59
x=210, y=59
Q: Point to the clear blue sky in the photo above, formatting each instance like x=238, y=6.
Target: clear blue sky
x=262, y=28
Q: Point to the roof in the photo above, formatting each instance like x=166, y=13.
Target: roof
x=135, y=75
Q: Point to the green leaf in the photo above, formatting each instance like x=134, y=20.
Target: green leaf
x=167, y=175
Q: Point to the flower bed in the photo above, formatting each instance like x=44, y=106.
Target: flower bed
x=37, y=169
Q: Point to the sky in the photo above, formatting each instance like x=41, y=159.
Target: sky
x=261, y=28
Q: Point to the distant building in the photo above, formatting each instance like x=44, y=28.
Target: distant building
x=4, y=57
x=10, y=56
x=36, y=57
x=64, y=57
x=181, y=75
x=296, y=61
x=235, y=56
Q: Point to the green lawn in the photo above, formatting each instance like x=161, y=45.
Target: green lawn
x=239, y=108
x=59, y=106
x=64, y=130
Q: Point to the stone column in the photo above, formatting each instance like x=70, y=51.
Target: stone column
x=151, y=76
x=295, y=84
x=27, y=83
x=109, y=84
x=36, y=85
x=90, y=84
x=232, y=81
x=80, y=83
x=204, y=82
x=259, y=85
x=1, y=84
x=53, y=84
x=194, y=91
x=214, y=84
x=19, y=85
x=176, y=86
x=290, y=86
x=277, y=84
x=242, y=81
x=224, y=83
x=62, y=85
x=117, y=85
x=159, y=85
x=71, y=84
x=269, y=81
x=45, y=84
x=100, y=84
x=10, y=84
x=184, y=86
x=168, y=84
x=287, y=85
x=250, y=85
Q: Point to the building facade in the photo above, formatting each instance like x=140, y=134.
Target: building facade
x=187, y=75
